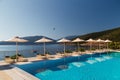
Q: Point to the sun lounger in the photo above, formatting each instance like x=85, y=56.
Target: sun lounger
x=74, y=53
x=58, y=55
x=67, y=54
x=9, y=60
x=38, y=56
x=22, y=59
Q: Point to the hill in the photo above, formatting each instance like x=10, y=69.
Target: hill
x=35, y=38
x=112, y=34
x=71, y=37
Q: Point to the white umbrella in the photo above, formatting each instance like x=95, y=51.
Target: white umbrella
x=16, y=40
x=63, y=40
x=100, y=41
x=90, y=41
x=78, y=40
x=43, y=40
x=107, y=41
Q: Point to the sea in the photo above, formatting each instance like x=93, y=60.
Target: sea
x=32, y=50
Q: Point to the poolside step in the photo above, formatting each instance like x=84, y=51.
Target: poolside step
x=78, y=64
x=46, y=72
x=100, y=59
x=91, y=61
x=107, y=57
x=62, y=67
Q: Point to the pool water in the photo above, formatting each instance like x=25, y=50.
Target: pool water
x=85, y=67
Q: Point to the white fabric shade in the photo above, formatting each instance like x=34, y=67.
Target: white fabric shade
x=43, y=40
x=90, y=40
x=108, y=41
x=16, y=39
x=78, y=40
x=63, y=40
x=100, y=40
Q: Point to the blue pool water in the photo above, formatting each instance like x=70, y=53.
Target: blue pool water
x=105, y=67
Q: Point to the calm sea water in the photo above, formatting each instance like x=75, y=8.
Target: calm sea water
x=27, y=50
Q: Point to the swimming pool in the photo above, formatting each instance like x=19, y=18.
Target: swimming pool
x=85, y=67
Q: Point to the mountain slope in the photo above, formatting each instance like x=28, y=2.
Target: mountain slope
x=112, y=34
x=71, y=37
x=34, y=38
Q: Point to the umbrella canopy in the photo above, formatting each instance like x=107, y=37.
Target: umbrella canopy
x=44, y=40
x=16, y=40
x=90, y=40
x=78, y=40
x=108, y=41
x=100, y=40
x=63, y=40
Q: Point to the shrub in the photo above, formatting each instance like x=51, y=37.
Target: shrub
x=114, y=45
x=68, y=51
x=93, y=49
x=37, y=53
x=82, y=50
x=47, y=52
x=14, y=56
x=7, y=56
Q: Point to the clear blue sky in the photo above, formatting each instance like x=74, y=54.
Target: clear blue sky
x=68, y=17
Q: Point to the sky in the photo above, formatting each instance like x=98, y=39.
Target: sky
x=57, y=18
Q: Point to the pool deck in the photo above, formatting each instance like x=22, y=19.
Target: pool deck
x=4, y=76
x=10, y=72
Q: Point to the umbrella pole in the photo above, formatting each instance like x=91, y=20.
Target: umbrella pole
x=90, y=49
x=44, y=48
x=64, y=48
x=90, y=46
x=107, y=48
x=99, y=48
x=78, y=46
x=78, y=50
x=64, y=54
x=16, y=51
x=44, y=54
